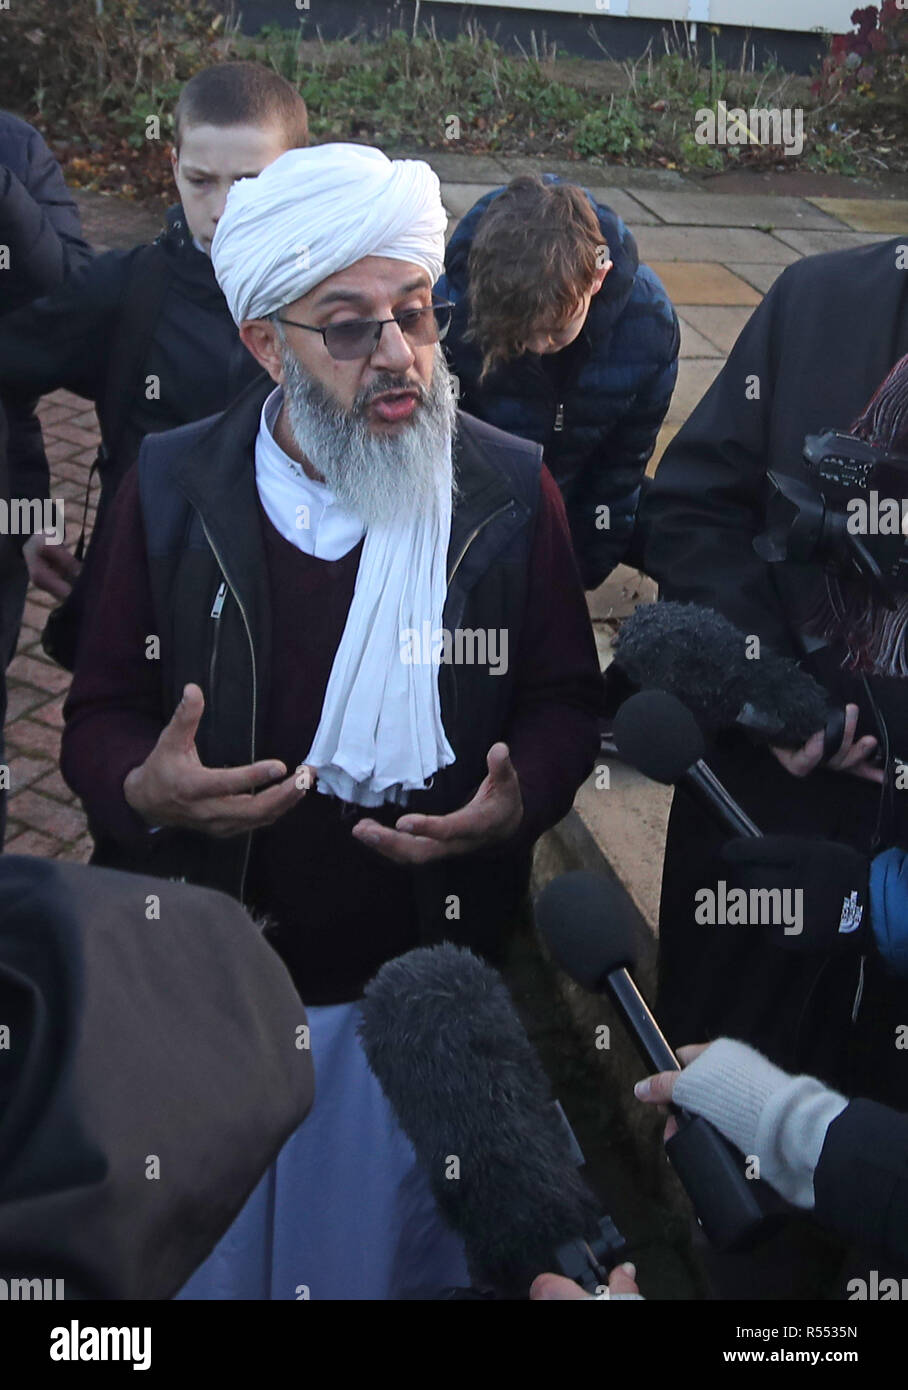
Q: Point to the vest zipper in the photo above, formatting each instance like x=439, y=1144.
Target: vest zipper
x=472, y=536
x=559, y=418
x=216, y=609
x=227, y=585
x=469, y=541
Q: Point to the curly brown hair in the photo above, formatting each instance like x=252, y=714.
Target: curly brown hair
x=534, y=256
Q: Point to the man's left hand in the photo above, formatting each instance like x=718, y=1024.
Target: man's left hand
x=494, y=814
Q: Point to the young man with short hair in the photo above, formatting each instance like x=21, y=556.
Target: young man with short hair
x=146, y=334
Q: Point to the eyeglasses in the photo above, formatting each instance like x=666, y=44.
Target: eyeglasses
x=360, y=337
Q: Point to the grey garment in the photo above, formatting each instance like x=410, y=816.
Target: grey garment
x=780, y=1119
x=158, y=1060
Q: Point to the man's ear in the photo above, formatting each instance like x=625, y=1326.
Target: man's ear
x=174, y=160
x=259, y=337
x=600, y=275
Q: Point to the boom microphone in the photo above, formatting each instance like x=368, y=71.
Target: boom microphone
x=441, y=1035
x=659, y=737
x=699, y=656
x=587, y=922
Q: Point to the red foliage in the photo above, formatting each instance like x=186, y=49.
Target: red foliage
x=873, y=56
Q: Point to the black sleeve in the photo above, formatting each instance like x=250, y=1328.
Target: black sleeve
x=63, y=340
x=861, y=1180
x=707, y=500
x=39, y=222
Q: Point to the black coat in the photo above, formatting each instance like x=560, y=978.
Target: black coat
x=825, y=336
x=39, y=219
x=39, y=223
x=66, y=340
x=861, y=1180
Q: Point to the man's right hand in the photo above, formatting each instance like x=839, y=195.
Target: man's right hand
x=851, y=757
x=172, y=787
x=52, y=568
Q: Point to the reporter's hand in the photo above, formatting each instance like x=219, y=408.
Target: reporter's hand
x=555, y=1286
x=852, y=757
x=494, y=814
x=52, y=568
x=658, y=1089
x=172, y=787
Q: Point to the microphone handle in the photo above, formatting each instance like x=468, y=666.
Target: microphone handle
x=736, y=1213
x=648, y=1037
x=706, y=789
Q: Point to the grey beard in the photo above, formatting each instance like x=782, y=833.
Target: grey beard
x=379, y=477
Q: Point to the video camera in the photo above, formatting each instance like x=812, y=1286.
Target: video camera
x=850, y=514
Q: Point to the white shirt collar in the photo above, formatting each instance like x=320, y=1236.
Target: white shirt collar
x=303, y=511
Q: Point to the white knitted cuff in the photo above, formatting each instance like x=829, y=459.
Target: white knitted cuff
x=780, y=1119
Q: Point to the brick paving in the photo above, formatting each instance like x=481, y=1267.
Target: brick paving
x=717, y=255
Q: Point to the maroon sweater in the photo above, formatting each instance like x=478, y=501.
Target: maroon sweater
x=339, y=909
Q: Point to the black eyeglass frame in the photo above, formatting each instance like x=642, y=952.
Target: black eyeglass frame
x=377, y=325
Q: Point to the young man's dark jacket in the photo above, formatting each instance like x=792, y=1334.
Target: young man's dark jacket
x=810, y=357
x=189, y=519
x=595, y=406
x=193, y=363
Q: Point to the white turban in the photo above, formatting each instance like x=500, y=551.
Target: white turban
x=316, y=211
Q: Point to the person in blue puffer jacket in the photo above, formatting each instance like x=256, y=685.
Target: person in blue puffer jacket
x=561, y=336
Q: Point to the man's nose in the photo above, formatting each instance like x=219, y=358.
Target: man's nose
x=394, y=352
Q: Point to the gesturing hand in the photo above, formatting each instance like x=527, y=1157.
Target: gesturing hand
x=172, y=787
x=852, y=757
x=494, y=814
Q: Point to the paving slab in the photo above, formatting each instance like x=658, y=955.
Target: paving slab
x=701, y=282
x=696, y=208
x=628, y=818
x=594, y=175
x=868, y=214
x=452, y=166
x=719, y=324
x=663, y=439
x=693, y=343
x=458, y=198
x=813, y=243
x=625, y=205
x=695, y=376
x=620, y=594
x=717, y=244
x=761, y=276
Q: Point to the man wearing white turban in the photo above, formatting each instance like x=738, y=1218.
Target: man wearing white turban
x=349, y=588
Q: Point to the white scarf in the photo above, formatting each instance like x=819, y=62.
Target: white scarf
x=380, y=735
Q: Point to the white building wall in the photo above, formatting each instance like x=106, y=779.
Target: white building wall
x=800, y=16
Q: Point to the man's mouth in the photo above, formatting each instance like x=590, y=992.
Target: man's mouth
x=395, y=405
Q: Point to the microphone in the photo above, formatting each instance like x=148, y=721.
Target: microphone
x=587, y=922
x=442, y=1037
x=699, y=656
x=657, y=735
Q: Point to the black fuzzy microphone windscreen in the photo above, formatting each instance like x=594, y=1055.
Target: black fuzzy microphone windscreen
x=721, y=675
x=441, y=1034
